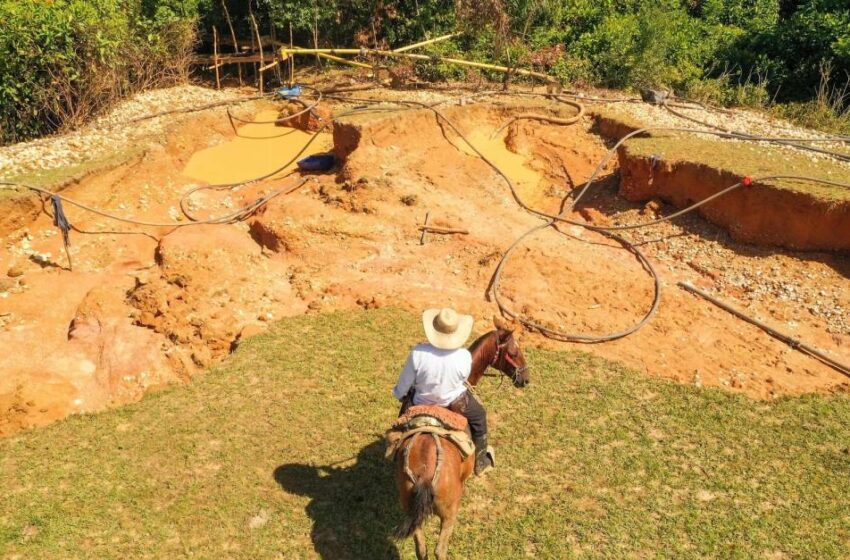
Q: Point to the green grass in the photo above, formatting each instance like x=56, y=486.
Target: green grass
x=819, y=114
x=596, y=461
x=741, y=158
x=57, y=178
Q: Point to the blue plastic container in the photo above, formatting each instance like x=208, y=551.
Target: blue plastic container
x=289, y=93
x=317, y=162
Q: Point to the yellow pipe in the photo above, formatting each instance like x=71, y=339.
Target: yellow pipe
x=428, y=42
x=393, y=54
x=302, y=50
x=344, y=60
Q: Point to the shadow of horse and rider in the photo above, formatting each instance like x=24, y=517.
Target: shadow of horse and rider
x=354, y=508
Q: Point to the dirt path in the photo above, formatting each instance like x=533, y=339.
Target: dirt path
x=143, y=310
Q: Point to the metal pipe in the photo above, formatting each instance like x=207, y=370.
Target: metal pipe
x=423, y=43
x=394, y=54
x=344, y=60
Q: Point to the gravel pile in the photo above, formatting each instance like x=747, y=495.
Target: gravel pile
x=108, y=134
x=799, y=287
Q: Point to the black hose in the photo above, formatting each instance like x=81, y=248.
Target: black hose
x=551, y=220
x=496, y=278
x=238, y=215
x=793, y=142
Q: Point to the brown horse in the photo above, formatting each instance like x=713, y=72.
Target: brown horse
x=430, y=472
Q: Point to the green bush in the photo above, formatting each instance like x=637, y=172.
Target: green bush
x=346, y=23
x=656, y=46
x=816, y=114
x=678, y=43
x=436, y=71
x=66, y=60
x=751, y=92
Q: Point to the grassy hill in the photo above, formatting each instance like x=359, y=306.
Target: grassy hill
x=277, y=453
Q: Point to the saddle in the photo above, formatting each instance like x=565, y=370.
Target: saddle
x=431, y=420
x=422, y=414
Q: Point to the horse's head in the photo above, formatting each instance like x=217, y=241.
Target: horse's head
x=509, y=359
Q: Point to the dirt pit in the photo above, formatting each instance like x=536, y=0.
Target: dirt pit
x=147, y=307
x=260, y=149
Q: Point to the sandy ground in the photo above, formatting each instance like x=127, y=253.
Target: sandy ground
x=146, y=307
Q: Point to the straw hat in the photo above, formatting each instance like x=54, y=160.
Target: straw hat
x=446, y=328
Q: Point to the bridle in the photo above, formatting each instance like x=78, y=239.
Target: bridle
x=503, y=354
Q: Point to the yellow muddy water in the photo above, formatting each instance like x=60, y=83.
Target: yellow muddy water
x=259, y=149
x=528, y=182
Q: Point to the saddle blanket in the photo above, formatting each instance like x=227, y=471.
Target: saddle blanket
x=430, y=420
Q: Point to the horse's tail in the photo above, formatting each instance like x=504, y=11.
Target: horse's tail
x=421, y=506
x=421, y=503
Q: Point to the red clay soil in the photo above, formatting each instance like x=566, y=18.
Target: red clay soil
x=140, y=311
x=760, y=214
x=17, y=210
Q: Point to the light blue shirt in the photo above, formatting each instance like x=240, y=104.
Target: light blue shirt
x=437, y=376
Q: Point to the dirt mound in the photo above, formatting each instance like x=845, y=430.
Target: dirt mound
x=147, y=307
x=300, y=115
x=99, y=358
x=212, y=281
x=129, y=360
x=359, y=139
x=17, y=210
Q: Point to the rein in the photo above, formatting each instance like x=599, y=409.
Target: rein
x=502, y=354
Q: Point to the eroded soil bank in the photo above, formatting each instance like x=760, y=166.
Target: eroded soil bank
x=145, y=307
x=760, y=214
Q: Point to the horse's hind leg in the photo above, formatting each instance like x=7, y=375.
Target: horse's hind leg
x=447, y=525
x=421, y=546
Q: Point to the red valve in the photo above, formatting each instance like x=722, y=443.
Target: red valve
x=747, y=181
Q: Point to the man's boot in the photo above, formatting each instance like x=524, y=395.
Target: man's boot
x=484, y=455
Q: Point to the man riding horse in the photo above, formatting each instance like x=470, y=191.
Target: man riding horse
x=436, y=373
x=438, y=379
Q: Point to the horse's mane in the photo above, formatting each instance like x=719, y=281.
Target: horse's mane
x=479, y=341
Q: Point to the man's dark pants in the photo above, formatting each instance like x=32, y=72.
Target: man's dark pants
x=469, y=406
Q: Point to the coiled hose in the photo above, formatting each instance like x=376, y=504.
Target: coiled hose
x=550, y=220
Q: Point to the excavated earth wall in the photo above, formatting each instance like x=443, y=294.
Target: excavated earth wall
x=761, y=214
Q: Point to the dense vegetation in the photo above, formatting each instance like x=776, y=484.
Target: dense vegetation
x=769, y=47
x=67, y=58
x=64, y=60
